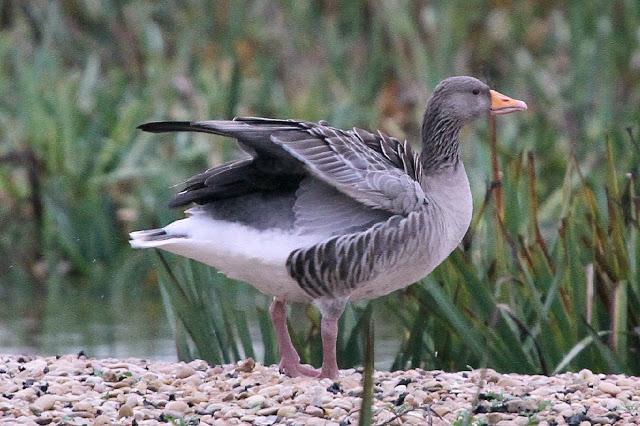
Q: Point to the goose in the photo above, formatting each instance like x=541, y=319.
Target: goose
x=317, y=214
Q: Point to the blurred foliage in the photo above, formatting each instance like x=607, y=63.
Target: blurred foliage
x=548, y=276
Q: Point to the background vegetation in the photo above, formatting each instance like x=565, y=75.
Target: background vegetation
x=548, y=276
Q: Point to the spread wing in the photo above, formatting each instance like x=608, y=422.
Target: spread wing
x=363, y=166
x=343, y=160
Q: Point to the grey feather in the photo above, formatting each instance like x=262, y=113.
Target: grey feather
x=321, y=209
x=343, y=161
x=335, y=267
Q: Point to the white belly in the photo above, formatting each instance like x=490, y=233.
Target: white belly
x=240, y=252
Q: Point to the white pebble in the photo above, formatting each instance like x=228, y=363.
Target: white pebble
x=44, y=403
x=254, y=401
x=286, y=411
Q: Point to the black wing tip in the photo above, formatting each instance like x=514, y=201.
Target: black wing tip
x=165, y=126
x=174, y=204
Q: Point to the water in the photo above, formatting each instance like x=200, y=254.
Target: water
x=76, y=317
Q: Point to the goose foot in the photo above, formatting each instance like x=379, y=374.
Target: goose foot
x=295, y=369
x=290, y=360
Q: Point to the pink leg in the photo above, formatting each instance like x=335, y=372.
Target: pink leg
x=331, y=311
x=289, y=358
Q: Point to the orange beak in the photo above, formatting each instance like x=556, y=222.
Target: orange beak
x=502, y=104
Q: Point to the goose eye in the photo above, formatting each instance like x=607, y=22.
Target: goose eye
x=475, y=91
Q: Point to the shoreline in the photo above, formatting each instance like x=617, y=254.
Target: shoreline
x=78, y=390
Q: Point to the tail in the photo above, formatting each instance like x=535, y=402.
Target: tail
x=150, y=238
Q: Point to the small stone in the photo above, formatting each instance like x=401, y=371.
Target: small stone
x=132, y=400
x=585, y=423
x=432, y=385
x=411, y=400
x=356, y=391
x=268, y=411
x=234, y=413
x=586, y=375
x=610, y=388
x=125, y=411
x=521, y=405
x=246, y=366
x=44, y=403
x=176, y=408
x=384, y=417
x=441, y=410
x=254, y=401
x=270, y=391
x=400, y=389
x=560, y=407
x=611, y=404
x=601, y=420
x=249, y=418
x=346, y=404
x=494, y=418
x=286, y=411
x=312, y=410
x=36, y=367
x=521, y=421
x=507, y=382
x=102, y=420
x=286, y=393
x=338, y=413
x=83, y=406
x=625, y=382
x=264, y=421
x=596, y=410
x=183, y=371
x=315, y=421
x=28, y=395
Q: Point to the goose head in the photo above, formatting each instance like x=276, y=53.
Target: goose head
x=463, y=99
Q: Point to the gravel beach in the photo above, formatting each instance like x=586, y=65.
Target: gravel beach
x=75, y=390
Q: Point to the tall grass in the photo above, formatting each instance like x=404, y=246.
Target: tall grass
x=548, y=276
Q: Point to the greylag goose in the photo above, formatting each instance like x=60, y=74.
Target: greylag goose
x=321, y=215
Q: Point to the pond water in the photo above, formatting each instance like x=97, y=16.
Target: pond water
x=76, y=317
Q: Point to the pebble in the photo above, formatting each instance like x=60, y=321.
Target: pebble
x=44, y=403
x=176, y=408
x=286, y=411
x=102, y=420
x=610, y=388
x=83, y=406
x=125, y=411
x=338, y=413
x=521, y=405
x=441, y=410
x=255, y=401
x=312, y=410
x=183, y=371
x=46, y=390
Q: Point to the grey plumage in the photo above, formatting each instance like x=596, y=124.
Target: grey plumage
x=336, y=266
x=328, y=215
